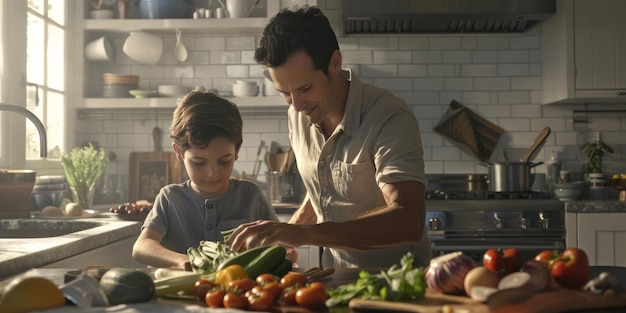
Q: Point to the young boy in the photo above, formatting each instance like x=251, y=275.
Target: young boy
x=207, y=134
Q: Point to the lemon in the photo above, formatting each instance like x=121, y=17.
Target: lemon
x=616, y=176
x=26, y=294
x=73, y=209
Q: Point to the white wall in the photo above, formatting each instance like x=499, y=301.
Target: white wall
x=497, y=75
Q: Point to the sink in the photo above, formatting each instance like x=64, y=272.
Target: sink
x=27, y=228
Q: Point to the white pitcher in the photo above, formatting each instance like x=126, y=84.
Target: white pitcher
x=240, y=8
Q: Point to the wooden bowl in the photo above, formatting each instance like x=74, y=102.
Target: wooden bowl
x=16, y=187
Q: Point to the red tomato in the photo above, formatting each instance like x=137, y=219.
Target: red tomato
x=546, y=256
x=273, y=288
x=202, y=286
x=243, y=285
x=293, y=279
x=289, y=295
x=267, y=278
x=215, y=298
x=501, y=261
x=312, y=297
x=262, y=301
x=234, y=300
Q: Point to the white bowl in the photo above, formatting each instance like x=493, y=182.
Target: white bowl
x=568, y=191
x=245, y=90
x=102, y=14
x=142, y=93
x=101, y=49
x=172, y=91
x=143, y=48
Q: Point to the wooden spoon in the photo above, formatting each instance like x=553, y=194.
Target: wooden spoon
x=536, y=146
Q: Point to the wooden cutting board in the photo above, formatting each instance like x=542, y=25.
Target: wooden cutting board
x=434, y=302
x=553, y=300
x=149, y=171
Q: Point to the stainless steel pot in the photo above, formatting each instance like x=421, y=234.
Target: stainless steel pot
x=510, y=176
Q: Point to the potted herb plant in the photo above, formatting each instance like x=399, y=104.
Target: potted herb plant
x=595, y=152
x=83, y=167
x=594, y=173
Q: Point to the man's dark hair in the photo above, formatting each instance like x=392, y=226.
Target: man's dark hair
x=201, y=116
x=292, y=30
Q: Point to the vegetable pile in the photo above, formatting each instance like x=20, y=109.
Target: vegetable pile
x=401, y=282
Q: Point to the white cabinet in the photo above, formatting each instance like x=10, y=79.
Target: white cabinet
x=115, y=254
x=601, y=235
x=584, y=52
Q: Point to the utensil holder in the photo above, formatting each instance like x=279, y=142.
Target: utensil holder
x=280, y=186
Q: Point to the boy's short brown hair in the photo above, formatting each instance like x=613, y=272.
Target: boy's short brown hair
x=201, y=116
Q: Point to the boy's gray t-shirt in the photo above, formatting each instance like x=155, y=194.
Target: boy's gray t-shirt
x=185, y=218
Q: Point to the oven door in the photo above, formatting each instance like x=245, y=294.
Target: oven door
x=476, y=248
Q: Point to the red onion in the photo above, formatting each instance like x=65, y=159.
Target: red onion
x=446, y=273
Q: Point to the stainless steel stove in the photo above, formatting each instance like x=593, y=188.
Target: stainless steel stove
x=475, y=220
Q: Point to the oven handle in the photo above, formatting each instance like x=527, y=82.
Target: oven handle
x=554, y=246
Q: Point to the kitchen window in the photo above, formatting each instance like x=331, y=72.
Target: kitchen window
x=33, y=74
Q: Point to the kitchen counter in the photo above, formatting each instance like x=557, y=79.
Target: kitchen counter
x=595, y=206
x=20, y=254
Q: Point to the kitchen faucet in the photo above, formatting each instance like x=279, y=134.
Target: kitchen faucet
x=43, y=150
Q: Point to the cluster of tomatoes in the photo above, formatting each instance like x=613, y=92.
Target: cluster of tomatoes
x=262, y=293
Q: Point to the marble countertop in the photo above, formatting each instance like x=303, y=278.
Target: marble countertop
x=595, y=206
x=21, y=254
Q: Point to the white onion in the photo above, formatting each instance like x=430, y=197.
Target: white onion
x=514, y=281
x=446, y=273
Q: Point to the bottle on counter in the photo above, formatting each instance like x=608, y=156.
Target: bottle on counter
x=554, y=169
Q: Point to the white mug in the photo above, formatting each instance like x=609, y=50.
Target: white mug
x=101, y=49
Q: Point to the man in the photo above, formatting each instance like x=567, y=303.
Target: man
x=358, y=150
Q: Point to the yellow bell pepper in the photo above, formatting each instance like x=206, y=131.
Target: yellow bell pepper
x=230, y=273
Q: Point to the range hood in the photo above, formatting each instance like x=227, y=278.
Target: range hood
x=443, y=16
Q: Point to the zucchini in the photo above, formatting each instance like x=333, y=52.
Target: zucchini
x=126, y=285
x=283, y=268
x=243, y=258
x=266, y=261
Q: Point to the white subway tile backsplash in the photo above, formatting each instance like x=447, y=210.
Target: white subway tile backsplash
x=358, y=57
x=526, y=42
x=240, y=43
x=484, y=56
x=458, y=84
x=446, y=153
x=210, y=71
x=514, y=97
x=456, y=56
x=441, y=70
x=394, y=83
x=413, y=70
x=225, y=57
x=515, y=124
x=237, y=71
x=478, y=70
x=525, y=83
x=513, y=56
x=380, y=70
x=444, y=43
x=393, y=57
x=373, y=43
x=428, y=84
x=493, y=42
x=476, y=97
x=412, y=43
x=513, y=69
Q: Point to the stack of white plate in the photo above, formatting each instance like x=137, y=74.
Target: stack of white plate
x=245, y=88
x=119, y=86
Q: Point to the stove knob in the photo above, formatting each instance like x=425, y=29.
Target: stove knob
x=545, y=222
x=434, y=223
x=524, y=223
x=499, y=222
